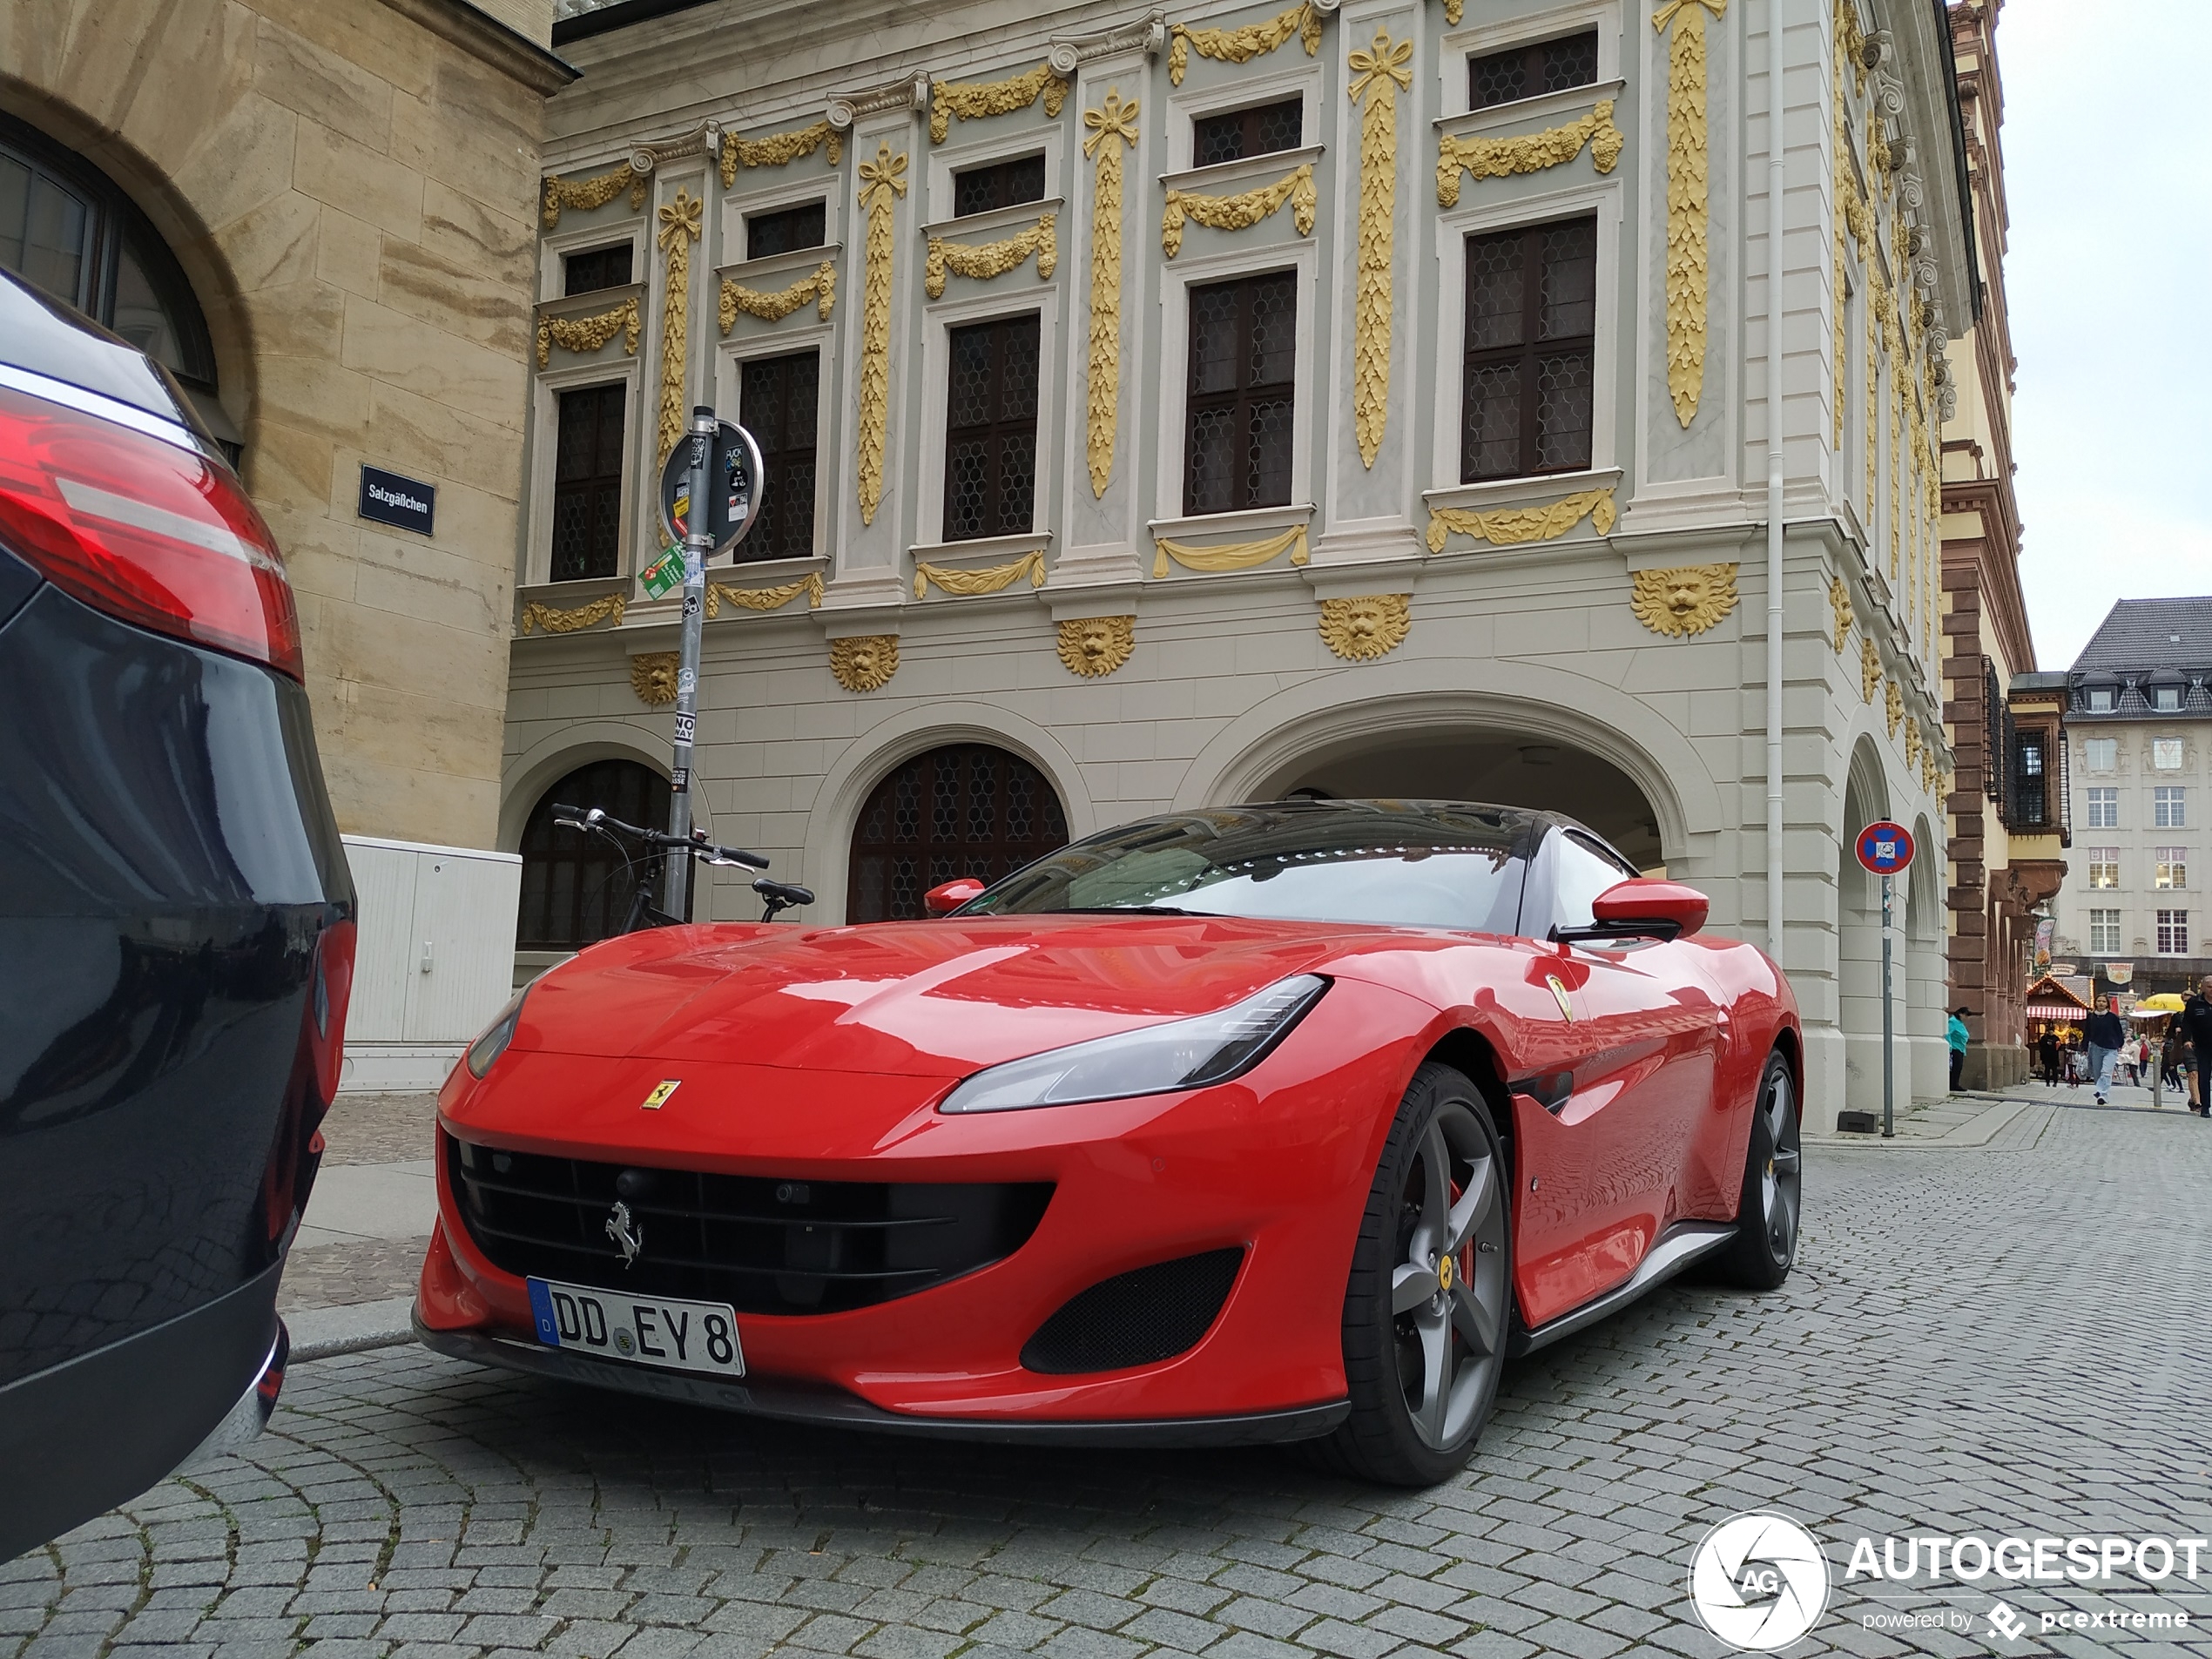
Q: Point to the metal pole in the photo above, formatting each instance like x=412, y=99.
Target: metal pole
x=1777, y=182
x=698, y=543
x=1889, y=1057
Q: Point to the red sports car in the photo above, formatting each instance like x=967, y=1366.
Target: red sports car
x=1268, y=1122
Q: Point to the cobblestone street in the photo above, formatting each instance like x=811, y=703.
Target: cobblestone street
x=2007, y=1341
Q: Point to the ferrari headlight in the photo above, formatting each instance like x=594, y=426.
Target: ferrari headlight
x=1155, y=1060
x=497, y=1035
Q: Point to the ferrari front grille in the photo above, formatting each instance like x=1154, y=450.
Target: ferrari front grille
x=1134, y=1318
x=761, y=1243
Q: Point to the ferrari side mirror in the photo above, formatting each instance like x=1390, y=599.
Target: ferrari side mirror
x=943, y=901
x=1650, y=908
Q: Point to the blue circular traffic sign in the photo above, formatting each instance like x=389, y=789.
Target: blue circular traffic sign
x=1884, y=848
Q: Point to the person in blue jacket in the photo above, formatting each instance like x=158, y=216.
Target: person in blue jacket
x=1955, y=1033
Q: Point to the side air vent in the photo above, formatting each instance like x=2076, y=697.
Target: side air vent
x=1136, y=1319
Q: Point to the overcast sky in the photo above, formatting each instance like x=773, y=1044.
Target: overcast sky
x=2109, y=277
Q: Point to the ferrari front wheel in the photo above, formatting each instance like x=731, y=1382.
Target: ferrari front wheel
x=1773, y=1199
x=1431, y=1292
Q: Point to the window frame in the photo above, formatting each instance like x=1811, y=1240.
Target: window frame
x=1034, y=204
x=620, y=478
x=1198, y=99
x=1526, y=352
x=547, y=385
x=2158, y=744
x=2090, y=749
x=1248, y=111
x=2169, y=869
x=2169, y=807
x=2096, y=922
x=823, y=391
x=1242, y=396
x=1038, y=421
x=2170, y=932
x=1009, y=295
x=1604, y=198
x=1524, y=45
x=746, y=216
x=2102, y=795
x=787, y=339
x=2106, y=866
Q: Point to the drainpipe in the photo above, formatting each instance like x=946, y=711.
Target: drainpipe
x=1775, y=171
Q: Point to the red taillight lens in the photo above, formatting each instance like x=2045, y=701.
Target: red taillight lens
x=145, y=531
x=334, y=989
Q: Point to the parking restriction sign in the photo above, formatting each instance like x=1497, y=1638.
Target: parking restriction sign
x=1884, y=849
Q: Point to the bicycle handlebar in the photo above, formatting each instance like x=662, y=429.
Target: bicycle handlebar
x=660, y=841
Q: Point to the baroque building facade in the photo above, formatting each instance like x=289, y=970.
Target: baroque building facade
x=2006, y=806
x=1170, y=407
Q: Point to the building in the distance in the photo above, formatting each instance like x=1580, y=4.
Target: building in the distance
x=2140, y=760
x=322, y=215
x=2007, y=823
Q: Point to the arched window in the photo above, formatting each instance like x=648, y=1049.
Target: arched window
x=65, y=228
x=965, y=810
x=575, y=887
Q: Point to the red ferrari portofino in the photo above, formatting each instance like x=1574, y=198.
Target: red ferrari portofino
x=1269, y=1123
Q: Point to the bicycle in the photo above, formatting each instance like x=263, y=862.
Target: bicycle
x=776, y=896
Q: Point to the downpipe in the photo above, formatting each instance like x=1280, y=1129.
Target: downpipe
x=1777, y=175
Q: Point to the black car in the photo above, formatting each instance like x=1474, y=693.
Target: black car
x=176, y=930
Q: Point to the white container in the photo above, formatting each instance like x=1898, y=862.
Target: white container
x=434, y=960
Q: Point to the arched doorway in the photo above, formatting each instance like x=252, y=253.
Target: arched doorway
x=576, y=888
x=966, y=809
x=1497, y=767
x=1858, y=942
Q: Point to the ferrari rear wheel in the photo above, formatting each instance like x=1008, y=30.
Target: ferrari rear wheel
x=1431, y=1293
x=1773, y=1199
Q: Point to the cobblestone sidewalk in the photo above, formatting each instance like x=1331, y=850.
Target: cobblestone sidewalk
x=2007, y=1342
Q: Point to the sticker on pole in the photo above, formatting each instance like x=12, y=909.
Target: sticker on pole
x=1884, y=848
x=664, y=573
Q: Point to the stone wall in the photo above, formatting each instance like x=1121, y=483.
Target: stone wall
x=350, y=186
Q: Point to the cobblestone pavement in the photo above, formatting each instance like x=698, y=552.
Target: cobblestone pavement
x=2006, y=1342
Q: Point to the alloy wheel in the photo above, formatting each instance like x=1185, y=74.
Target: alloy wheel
x=1781, y=1185
x=1449, y=1292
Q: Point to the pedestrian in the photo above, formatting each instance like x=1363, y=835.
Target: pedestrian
x=1955, y=1035
x=2047, y=1050
x=2104, y=1034
x=2195, y=1025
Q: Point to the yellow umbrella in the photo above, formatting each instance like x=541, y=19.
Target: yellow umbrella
x=2164, y=1002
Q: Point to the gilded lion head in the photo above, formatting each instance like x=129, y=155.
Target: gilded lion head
x=652, y=676
x=1369, y=625
x=864, y=662
x=1093, y=646
x=1686, y=600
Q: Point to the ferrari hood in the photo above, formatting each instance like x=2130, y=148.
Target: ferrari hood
x=938, y=999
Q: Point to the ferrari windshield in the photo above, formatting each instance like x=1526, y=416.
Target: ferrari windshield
x=1394, y=863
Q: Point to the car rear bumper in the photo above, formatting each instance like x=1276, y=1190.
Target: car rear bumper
x=834, y=1408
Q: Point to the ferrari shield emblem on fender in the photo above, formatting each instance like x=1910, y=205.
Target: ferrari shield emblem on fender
x=658, y=1098
x=1559, y=991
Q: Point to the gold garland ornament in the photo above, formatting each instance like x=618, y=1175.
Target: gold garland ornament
x=974, y=582
x=820, y=287
x=1379, y=76
x=607, y=608
x=652, y=676
x=681, y=224
x=779, y=149
x=882, y=181
x=979, y=100
x=589, y=334
x=983, y=260
x=1687, y=208
x=1241, y=212
x=1892, y=704
x=583, y=194
x=1508, y=525
x=1686, y=600
x=1374, y=625
x=1870, y=669
x=1840, y=603
x=765, y=599
x=1242, y=46
x=1092, y=647
x=1112, y=125
x=1236, y=555
x=1481, y=158
x=1913, y=745
x=864, y=662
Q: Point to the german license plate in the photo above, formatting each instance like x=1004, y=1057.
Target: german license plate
x=644, y=1329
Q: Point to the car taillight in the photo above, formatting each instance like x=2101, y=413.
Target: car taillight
x=147, y=532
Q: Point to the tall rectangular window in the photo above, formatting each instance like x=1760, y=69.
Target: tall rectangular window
x=596, y=269
x=991, y=430
x=1243, y=361
x=2104, y=867
x=1529, y=374
x=587, y=484
x=2169, y=808
x=1530, y=71
x=2027, y=778
x=1003, y=184
x=2173, y=932
x=777, y=402
x=2101, y=754
x=2170, y=867
x=1259, y=131
x=785, y=231
x=2104, y=932
x=2104, y=808
x=2165, y=754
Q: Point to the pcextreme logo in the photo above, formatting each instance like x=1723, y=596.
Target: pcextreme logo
x=1758, y=1582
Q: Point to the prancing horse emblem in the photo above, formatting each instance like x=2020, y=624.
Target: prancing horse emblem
x=626, y=1233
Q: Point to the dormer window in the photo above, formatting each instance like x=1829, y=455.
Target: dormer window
x=1530, y=71
x=2100, y=699
x=1003, y=184
x=1259, y=131
x=2166, y=699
